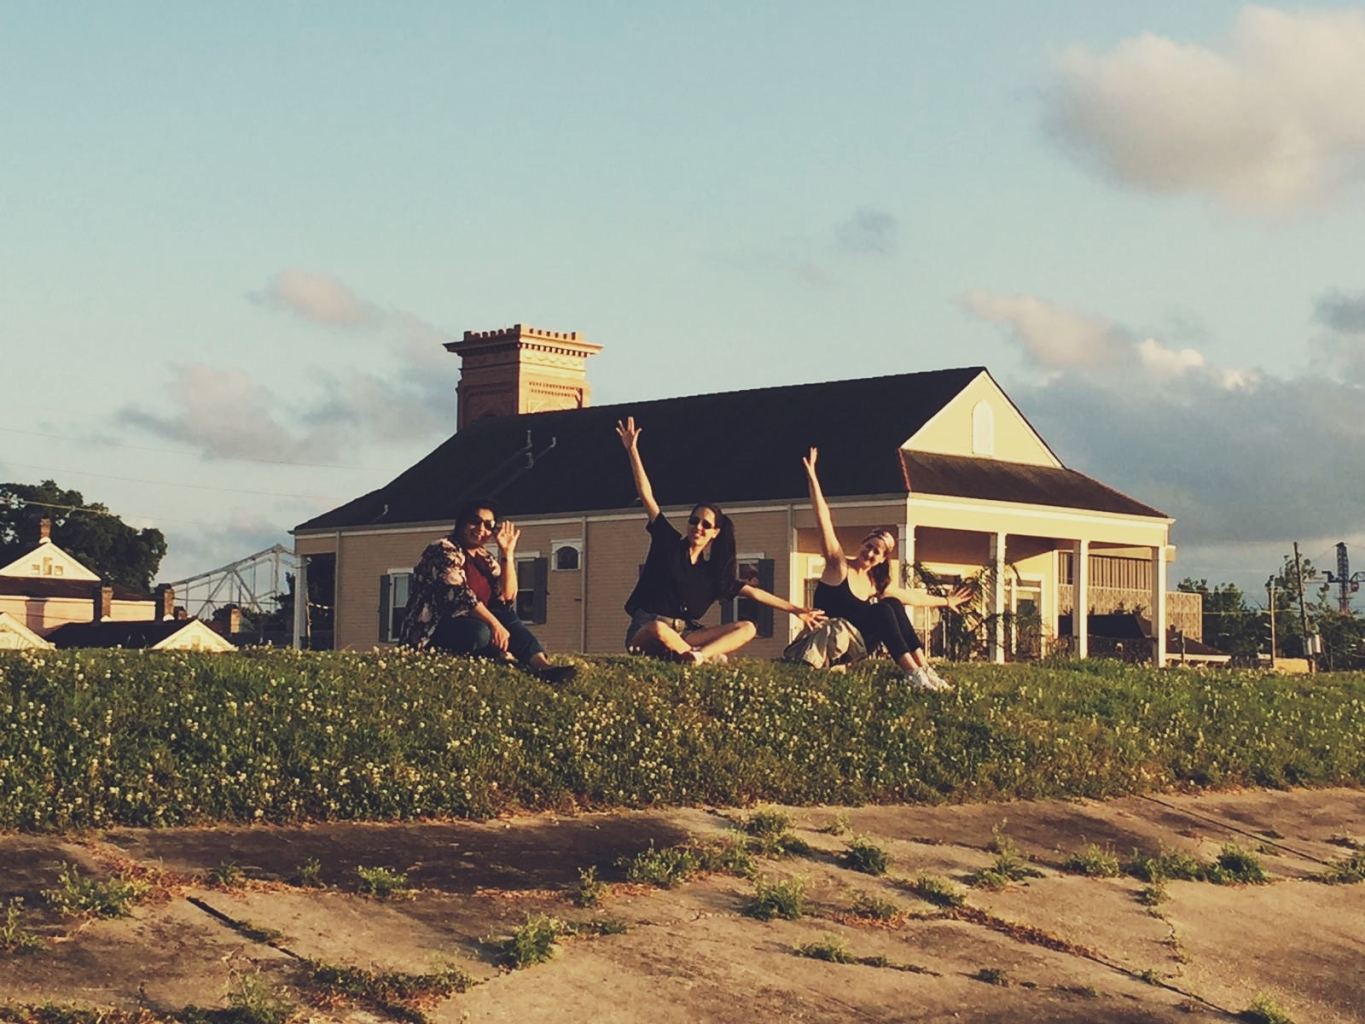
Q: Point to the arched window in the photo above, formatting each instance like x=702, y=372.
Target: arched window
x=983, y=429
x=568, y=555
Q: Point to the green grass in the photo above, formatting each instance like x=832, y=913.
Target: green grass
x=392, y=994
x=874, y=908
x=1347, y=871
x=102, y=738
x=829, y=948
x=253, y=1000
x=665, y=867
x=938, y=891
x=76, y=894
x=1093, y=861
x=1166, y=865
x=777, y=898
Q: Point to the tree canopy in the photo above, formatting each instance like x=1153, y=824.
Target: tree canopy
x=89, y=532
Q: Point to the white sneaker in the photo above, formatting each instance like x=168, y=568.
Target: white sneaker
x=918, y=680
x=939, y=683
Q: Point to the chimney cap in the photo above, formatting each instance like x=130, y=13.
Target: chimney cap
x=570, y=341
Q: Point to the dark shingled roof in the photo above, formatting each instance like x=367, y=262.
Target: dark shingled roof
x=133, y=635
x=48, y=586
x=739, y=446
x=992, y=480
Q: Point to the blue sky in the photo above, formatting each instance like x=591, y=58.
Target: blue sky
x=233, y=236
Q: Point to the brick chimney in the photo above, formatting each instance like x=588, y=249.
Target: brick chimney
x=520, y=369
x=44, y=530
x=227, y=620
x=165, y=602
x=104, y=602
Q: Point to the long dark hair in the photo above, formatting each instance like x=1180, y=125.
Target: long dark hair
x=880, y=574
x=722, y=566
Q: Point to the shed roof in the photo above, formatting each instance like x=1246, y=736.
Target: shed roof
x=110, y=633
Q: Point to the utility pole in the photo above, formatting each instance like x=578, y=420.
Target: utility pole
x=1270, y=593
x=1303, y=610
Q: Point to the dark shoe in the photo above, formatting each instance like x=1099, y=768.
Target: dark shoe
x=557, y=675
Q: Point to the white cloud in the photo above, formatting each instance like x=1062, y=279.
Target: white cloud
x=1166, y=362
x=1052, y=338
x=318, y=297
x=1271, y=122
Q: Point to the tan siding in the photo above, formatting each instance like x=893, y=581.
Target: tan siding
x=363, y=558
x=43, y=615
x=950, y=431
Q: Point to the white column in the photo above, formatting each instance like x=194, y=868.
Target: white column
x=905, y=544
x=1158, y=615
x=1080, y=598
x=997, y=639
x=300, y=601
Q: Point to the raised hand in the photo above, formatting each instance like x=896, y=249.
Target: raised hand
x=809, y=460
x=628, y=433
x=508, y=535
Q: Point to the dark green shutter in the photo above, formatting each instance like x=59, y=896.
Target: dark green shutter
x=384, y=585
x=541, y=581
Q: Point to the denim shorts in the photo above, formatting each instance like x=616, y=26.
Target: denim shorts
x=641, y=618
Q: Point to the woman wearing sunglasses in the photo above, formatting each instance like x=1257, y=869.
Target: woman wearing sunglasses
x=684, y=574
x=463, y=600
x=858, y=589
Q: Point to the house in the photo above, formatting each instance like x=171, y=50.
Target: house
x=175, y=634
x=46, y=587
x=943, y=457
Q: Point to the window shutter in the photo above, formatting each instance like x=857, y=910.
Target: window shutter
x=764, y=617
x=384, y=597
x=541, y=575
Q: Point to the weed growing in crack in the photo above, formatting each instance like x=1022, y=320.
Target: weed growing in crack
x=863, y=855
x=393, y=993
x=666, y=867
x=993, y=976
x=1236, y=866
x=14, y=937
x=308, y=875
x=1093, y=861
x=1166, y=864
x=1150, y=975
x=590, y=889
x=1010, y=864
x=839, y=826
x=1348, y=871
x=1153, y=895
x=767, y=822
x=769, y=834
x=874, y=908
x=785, y=899
x=227, y=875
x=938, y=891
x=727, y=855
x=253, y=1000
x=532, y=943
x=830, y=948
x=267, y=936
x=75, y=894
x=597, y=926
x=1264, y=1010
x=384, y=883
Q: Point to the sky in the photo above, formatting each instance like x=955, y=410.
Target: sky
x=234, y=237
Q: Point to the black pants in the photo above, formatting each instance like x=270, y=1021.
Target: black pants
x=469, y=634
x=887, y=623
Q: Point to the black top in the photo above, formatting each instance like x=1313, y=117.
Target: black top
x=670, y=583
x=838, y=602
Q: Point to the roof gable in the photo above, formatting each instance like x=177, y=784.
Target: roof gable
x=739, y=446
x=14, y=635
x=957, y=428
x=47, y=561
x=161, y=634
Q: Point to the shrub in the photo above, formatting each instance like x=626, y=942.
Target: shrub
x=590, y=890
x=863, y=855
x=1347, y=871
x=308, y=875
x=1166, y=864
x=666, y=867
x=532, y=943
x=938, y=891
x=784, y=899
x=874, y=908
x=830, y=948
x=14, y=937
x=1234, y=865
x=1264, y=1010
x=227, y=875
x=728, y=855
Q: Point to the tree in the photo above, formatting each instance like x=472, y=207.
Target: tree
x=88, y=532
x=1229, y=623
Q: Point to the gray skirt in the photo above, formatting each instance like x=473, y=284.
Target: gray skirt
x=642, y=618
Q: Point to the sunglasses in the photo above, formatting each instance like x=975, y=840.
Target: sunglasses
x=699, y=521
x=487, y=524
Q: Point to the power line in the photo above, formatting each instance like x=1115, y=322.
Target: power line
x=168, y=483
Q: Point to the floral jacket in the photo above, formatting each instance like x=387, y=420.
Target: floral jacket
x=439, y=589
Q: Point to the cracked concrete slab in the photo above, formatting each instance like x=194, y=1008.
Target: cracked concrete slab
x=1064, y=947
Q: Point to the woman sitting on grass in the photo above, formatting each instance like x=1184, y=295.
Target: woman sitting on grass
x=859, y=590
x=464, y=601
x=684, y=575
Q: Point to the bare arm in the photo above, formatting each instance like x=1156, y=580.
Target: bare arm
x=808, y=616
x=835, y=567
x=923, y=599
x=508, y=535
x=630, y=440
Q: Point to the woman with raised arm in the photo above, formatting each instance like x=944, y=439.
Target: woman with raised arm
x=684, y=575
x=859, y=590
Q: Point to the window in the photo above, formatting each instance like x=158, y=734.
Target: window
x=566, y=555
x=532, y=580
x=756, y=571
x=983, y=429
x=393, y=604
